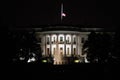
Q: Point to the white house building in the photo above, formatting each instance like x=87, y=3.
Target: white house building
x=62, y=43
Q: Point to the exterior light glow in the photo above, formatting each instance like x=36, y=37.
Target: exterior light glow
x=44, y=61
x=76, y=61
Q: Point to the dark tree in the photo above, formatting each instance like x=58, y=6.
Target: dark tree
x=116, y=47
x=91, y=45
x=103, y=46
x=99, y=46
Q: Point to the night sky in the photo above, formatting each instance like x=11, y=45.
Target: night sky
x=43, y=12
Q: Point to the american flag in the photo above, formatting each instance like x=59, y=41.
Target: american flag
x=63, y=14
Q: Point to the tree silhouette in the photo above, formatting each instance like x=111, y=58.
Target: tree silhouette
x=116, y=47
x=99, y=46
x=91, y=44
x=103, y=46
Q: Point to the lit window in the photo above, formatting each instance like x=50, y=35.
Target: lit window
x=68, y=40
x=61, y=50
x=54, y=39
x=67, y=50
x=54, y=51
x=48, y=50
x=74, y=50
x=61, y=38
x=74, y=40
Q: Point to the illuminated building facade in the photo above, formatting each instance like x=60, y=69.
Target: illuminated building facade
x=61, y=44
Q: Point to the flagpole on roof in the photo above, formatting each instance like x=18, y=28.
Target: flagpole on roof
x=61, y=11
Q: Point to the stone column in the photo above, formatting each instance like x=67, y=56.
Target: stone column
x=50, y=44
x=57, y=49
x=76, y=44
x=79, y=42
x=45, y=44
x=42, y=45
x=71, y=44
x=64, y=44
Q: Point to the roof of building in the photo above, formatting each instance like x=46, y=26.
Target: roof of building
x=63, y=28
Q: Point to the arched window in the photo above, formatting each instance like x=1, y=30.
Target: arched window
x=74, y=40
x=68, y=40
x=61, y=39
x=54, y=39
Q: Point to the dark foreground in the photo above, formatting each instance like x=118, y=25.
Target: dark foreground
x=48, y=71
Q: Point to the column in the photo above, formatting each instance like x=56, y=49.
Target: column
x=71, y=44
x=65, y=44
x=42, y=46
x=76, y=44
x=57, y=45
x=50, y=44
x=79, y=48
x=45, y=44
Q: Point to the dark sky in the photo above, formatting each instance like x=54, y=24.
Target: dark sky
x=79, y=12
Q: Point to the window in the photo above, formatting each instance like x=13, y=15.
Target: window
x=61, y=50
x=54, y=51
x=68, y=40
x=61, y=38
x=48, y=50
x=74, y=50
x=67, y=50
x=74, y=40
x=54, y=39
